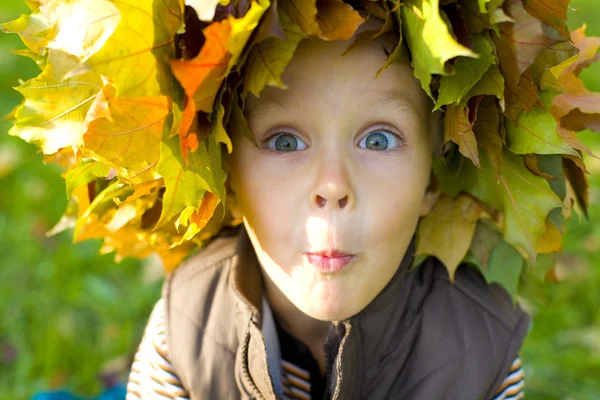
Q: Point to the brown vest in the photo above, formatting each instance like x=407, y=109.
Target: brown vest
x=421, y=338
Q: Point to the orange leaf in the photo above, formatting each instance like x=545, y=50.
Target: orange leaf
x=337, y=20
x=201, y=76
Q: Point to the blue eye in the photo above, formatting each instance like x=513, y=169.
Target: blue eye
x=379, y=140
x=285, y=142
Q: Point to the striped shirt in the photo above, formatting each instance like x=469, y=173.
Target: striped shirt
x=152, y=375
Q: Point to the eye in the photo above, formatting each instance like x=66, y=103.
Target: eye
x=380, y=140
x=285, y=142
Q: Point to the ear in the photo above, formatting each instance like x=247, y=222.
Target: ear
x=436, y=132
x=231, y=199
x=432, y=193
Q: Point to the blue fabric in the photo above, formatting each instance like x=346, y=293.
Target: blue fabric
x=116, y=393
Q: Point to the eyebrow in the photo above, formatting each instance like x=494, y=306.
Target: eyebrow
x=398, y=101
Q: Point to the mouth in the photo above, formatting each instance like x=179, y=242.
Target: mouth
x=329, y=261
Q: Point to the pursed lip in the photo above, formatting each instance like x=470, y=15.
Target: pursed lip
x=329, y=260
x=330, y=253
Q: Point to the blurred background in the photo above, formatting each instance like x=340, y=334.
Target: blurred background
x=72, y=319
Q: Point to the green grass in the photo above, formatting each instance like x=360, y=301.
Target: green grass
x=68, y=313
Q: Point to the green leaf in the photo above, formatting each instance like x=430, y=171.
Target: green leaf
x=268, y=59
x=504, y=267
x=535, y=132
x=467, y=73
x=85, y=173
x=429, y=39
x=525, y=198
x=491, y=83
x=186, y=183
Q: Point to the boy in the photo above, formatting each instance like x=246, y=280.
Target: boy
x=313, y=296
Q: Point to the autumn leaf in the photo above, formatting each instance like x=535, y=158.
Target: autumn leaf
x=337, y=20
x=78, y=27
x=535, y=132
x=131, y=145
x=577, y=112
x=135, y=58
x=196, y=218
x=302, y=13
x=187, y=183
x=268, y=59
x=429, y=39
x=529, y=37
x=491, y=83
x=467, y=73
x=451, y=222
x=84, y=173
x=459, y=128
x=550, y=12
x=56, y=124
x=504, y=267
x=524, y=198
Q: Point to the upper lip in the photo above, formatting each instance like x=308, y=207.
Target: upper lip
x=331, y=253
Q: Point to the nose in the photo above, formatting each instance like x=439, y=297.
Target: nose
x=333, y=188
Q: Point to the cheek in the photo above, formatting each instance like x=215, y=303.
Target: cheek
x=264, y=194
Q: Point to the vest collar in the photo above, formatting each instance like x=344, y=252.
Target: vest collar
x=353, y=346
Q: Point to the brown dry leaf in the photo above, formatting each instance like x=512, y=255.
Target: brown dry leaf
x=577, y=111
x=550, y=12
x=459, y=128
x=579, y=183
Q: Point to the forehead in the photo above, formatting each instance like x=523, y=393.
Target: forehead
x=319, y=73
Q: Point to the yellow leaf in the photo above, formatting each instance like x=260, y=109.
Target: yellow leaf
x=53, y=124
x=77, y=27
x=550, y=241
x=447, y=231
x=131, y=142
x=136, y=57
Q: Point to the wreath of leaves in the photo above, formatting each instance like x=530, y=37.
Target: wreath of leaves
x=135, y=99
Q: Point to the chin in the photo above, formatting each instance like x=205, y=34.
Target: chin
x=326, y=306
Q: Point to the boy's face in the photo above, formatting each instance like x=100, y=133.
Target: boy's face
x=347, y=169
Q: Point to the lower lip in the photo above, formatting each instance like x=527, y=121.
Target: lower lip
x=328, y=265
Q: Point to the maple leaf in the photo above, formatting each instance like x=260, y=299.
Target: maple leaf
x=78, y=27
x=459, y=128
x=128, y=138
x=186, y=183
x=524, y=198
x=429, y=40
x=451, y=222
x=268, y=59
x=51, y=124
x=467, y=73
x=134, y=58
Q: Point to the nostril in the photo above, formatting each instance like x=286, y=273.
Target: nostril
x=321, y=201
x=343, y=201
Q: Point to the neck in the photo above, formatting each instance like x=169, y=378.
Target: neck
x=310, y=331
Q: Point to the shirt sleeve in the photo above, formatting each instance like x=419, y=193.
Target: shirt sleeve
x=152, y=375
x=512, y=387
